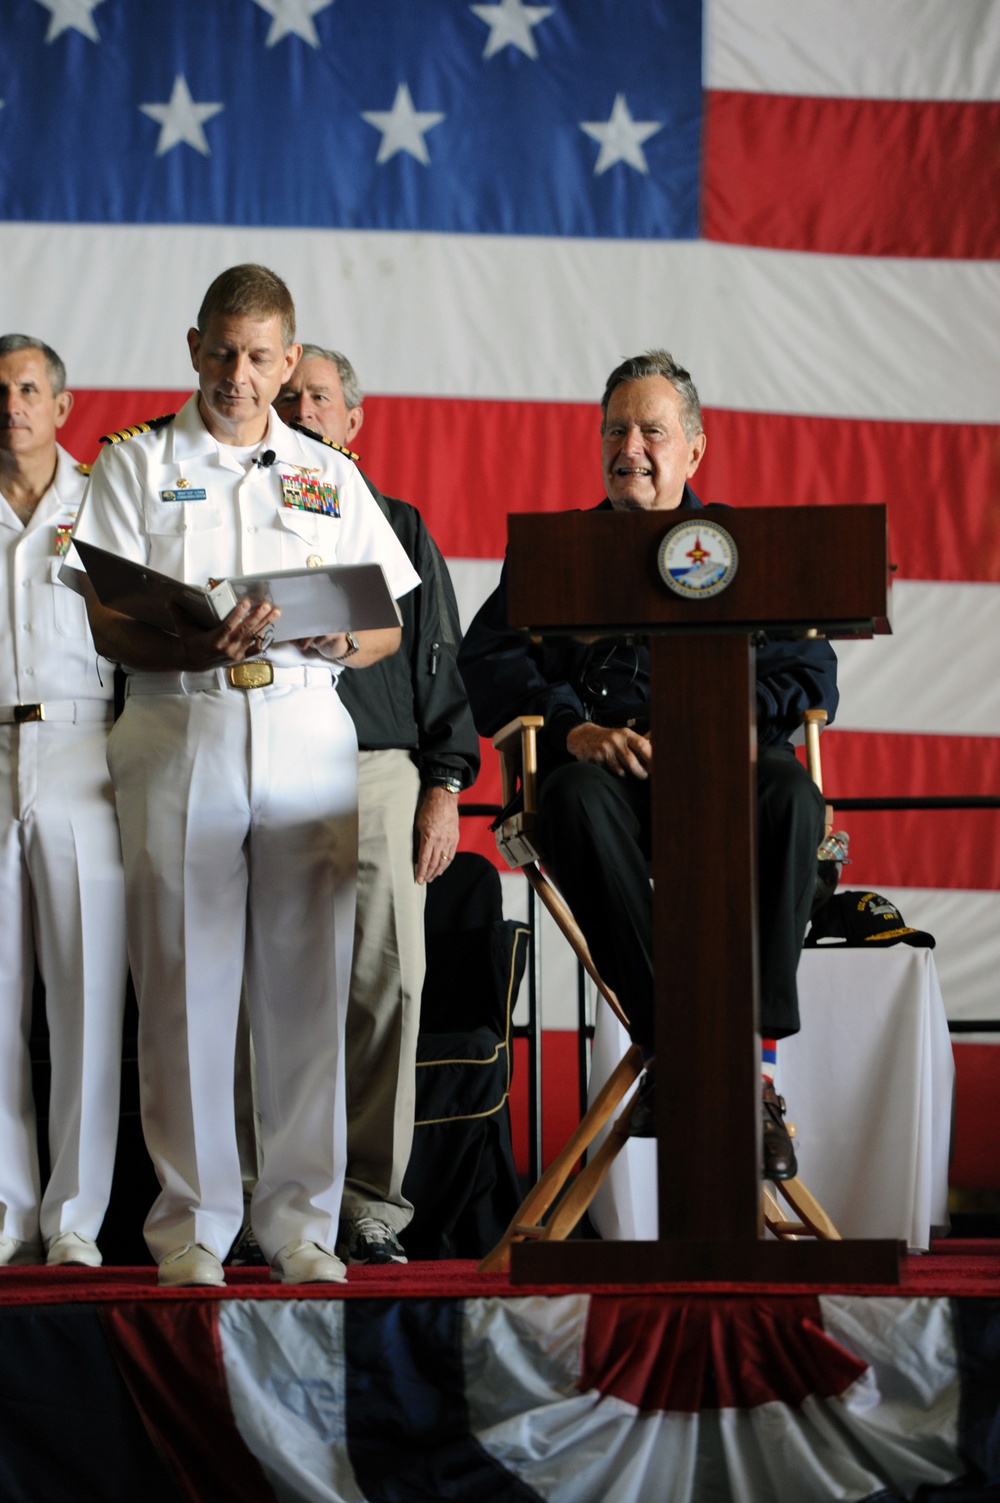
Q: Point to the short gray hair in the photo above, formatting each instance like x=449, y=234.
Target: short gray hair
x=350, y=385
x=13, y=344
x=659, y=363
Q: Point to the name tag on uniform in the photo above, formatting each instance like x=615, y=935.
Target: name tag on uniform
x=306, y=494
x=192, y=493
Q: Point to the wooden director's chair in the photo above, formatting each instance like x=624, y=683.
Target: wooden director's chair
x=516, y=744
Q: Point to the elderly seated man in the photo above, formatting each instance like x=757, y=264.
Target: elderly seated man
x=596, y=757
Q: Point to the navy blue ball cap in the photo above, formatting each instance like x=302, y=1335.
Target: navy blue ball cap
x=862, y=919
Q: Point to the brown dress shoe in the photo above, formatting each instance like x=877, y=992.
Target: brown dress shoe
x=779, y=1155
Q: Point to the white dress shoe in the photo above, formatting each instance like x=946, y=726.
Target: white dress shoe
x=307, y=1263
x=75, y=1249
x=189, y=1265
x=14, y=1251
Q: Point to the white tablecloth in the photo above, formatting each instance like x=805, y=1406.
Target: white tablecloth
x=869, y=1084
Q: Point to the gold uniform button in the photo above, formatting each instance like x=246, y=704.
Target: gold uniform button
x=314, y=561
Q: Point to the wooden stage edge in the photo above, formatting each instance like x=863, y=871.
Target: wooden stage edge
x=588, y=1263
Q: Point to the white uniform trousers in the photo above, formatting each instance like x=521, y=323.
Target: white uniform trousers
x=239, y=817
x=386, y=981
x=62, y=898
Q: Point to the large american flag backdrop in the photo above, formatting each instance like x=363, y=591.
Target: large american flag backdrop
x=488, y=205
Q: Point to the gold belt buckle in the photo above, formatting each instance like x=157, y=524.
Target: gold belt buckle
x=250, y=675
x=24, y=713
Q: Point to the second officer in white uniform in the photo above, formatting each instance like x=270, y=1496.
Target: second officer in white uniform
x=61, y=887
x=236, y=786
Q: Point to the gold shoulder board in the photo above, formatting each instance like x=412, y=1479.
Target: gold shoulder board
x=311, y=433
x=134, y=432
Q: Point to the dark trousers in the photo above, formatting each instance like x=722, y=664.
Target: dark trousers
x=595, y=831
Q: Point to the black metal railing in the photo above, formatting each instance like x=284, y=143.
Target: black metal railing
x=946, y=801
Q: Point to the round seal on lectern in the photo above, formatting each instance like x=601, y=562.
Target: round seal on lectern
x=697, y=559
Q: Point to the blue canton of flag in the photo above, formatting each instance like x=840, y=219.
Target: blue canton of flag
x=407, y=115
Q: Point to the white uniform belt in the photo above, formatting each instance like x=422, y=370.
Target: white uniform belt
x=255, y=674
x=77, y=711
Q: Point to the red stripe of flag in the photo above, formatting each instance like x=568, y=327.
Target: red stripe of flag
x=869, y=764
x=858, y=177
x=916, y=848
x=464, y=463
x=939, y=480
x=954, y=849
x=95, y=413
x=467, y=463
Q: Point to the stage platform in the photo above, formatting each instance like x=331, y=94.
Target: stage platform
x=434, y=1382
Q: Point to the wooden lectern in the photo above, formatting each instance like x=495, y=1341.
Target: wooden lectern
x=796, y=568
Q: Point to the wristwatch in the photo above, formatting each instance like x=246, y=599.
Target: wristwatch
x=449, y=784
x=353, y=646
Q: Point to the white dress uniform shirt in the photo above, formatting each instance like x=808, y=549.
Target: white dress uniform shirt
x=238, y=811
x=230, y=516
x=61, y=886
x=48, y=646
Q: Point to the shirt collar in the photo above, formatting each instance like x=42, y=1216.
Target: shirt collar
x=190, y=439
x=688, y=499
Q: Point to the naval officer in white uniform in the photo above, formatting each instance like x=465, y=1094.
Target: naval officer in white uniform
x=235, y=774
x=61, y=887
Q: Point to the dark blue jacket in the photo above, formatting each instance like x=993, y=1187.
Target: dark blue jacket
x=569, y=682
